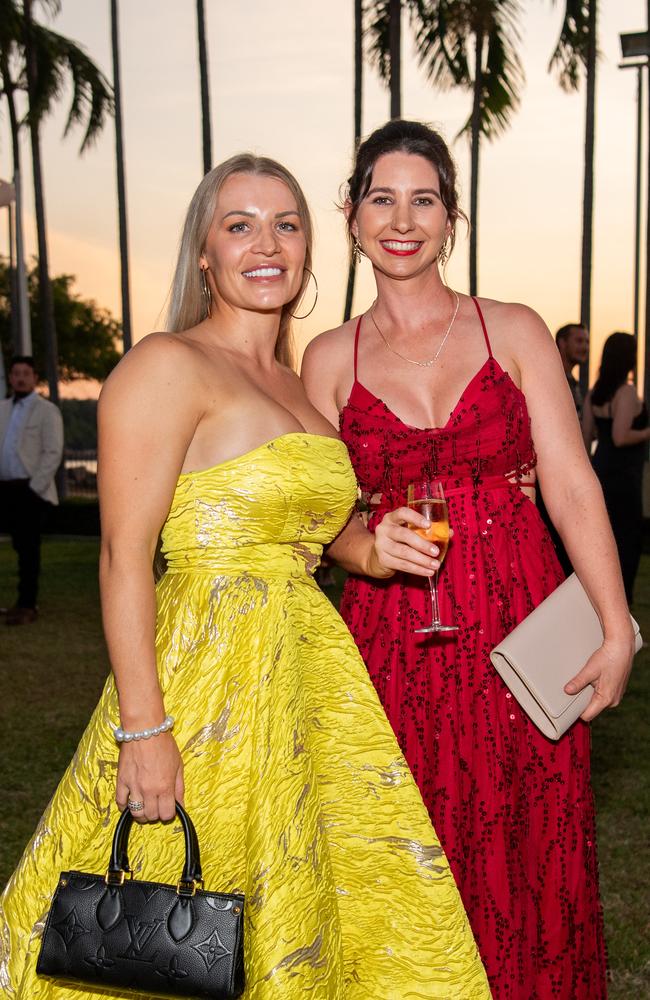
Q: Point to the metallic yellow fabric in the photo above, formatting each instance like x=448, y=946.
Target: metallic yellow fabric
x=300, y=795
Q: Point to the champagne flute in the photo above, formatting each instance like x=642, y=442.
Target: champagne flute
x=428, y=498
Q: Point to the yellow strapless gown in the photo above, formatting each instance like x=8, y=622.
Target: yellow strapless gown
x=300, y=795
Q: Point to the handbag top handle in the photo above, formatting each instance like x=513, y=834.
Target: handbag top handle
x=119, y=863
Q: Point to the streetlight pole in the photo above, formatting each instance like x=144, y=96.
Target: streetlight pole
x=635, y=48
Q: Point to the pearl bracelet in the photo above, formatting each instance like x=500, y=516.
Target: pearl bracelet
x=122, y=736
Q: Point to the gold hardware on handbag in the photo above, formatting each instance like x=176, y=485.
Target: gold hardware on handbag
x=546, y=650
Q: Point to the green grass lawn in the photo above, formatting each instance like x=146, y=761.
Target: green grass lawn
x=51, y=674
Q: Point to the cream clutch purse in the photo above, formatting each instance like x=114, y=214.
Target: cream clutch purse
x=546, y=650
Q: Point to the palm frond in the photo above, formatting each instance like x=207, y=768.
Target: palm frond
x=51, y=7
x=10, y=18
x=92, y=94
x=58, y=59
x=10, y=27
x=503, y=81
x=569, y=58
x=49, y=75
x=441, y=47
x=445, y=31
x=377, y=31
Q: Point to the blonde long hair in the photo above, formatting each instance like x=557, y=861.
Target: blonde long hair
x=187, y=305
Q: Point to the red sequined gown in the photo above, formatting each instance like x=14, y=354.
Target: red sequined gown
x=514, y=810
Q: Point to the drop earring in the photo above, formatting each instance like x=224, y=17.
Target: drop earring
x=205, y=291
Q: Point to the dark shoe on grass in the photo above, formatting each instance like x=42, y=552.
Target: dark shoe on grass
x=21, y=616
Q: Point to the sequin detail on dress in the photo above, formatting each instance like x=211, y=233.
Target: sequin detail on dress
x=300, y=795
x=513, y=810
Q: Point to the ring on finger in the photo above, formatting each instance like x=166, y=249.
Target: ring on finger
x=134, y=805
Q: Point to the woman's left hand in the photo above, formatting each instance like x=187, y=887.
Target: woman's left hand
x=608, y=670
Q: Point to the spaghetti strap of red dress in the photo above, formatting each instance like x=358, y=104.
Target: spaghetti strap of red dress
x=514, y=810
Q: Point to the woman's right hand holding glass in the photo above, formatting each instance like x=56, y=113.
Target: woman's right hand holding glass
x=397, y=548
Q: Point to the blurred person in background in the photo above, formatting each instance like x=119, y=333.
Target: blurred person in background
x=31, y=446
x=617, y=418
x=573, y=344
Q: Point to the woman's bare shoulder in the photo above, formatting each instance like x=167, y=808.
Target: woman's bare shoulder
x=157, y=362
x=159, y=349
x=510, y=313
x=516, y=329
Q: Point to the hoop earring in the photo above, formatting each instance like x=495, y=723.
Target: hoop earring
x=205, y=291
x=305, y=315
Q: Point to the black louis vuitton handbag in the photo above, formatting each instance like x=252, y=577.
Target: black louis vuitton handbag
x=114, y=932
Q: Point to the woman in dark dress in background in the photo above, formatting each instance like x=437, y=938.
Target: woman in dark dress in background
x=618, y=419
x=430, y=383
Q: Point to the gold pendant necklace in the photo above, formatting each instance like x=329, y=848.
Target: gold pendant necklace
x=411, y=361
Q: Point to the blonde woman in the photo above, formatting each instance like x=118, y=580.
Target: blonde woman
x=284, y=757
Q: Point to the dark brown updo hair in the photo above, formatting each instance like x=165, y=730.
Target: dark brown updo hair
x=401, y=136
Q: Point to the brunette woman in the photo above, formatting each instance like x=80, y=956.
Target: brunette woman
x=432, y=384
x=618, y=419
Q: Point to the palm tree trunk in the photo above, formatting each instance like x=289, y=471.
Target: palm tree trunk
x=588, y=190
x=127, y=339
x=358, y=69
x=46, y=301
x=358, y=94
x=13, y=293
x=22, y=288
x=205, y=89
x=474, y=166
x=23, y=342
x=395, y=50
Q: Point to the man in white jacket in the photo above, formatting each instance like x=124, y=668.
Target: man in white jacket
x=31, y=446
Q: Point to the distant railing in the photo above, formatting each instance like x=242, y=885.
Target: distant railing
x=80, y=473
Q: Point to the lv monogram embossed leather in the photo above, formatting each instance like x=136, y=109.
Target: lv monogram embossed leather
x=114, y=932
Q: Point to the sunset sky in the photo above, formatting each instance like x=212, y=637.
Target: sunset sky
x=281, y=81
